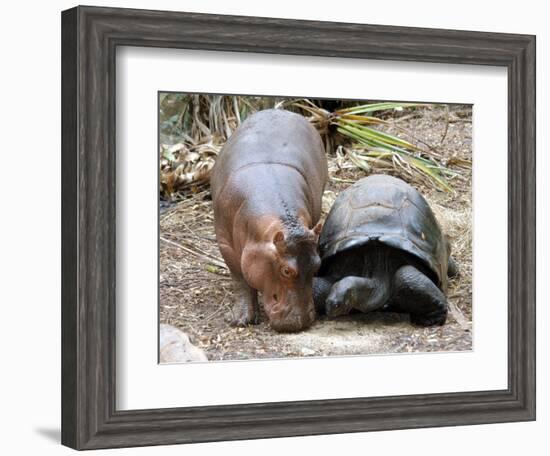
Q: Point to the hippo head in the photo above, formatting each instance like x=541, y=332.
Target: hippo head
x=282, y=269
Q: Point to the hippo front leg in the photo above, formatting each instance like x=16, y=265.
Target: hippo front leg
x=321, y=290
x=245, y=310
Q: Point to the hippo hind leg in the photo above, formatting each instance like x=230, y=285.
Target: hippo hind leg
x=414, y=293
x=245, y=310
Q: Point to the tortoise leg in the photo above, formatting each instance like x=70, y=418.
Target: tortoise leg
x=246, y=307
x=415, y=293
x=355, y=293
x=452, y=268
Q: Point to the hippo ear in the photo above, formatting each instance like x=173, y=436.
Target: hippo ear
x=318, y=228
x=279, y=240
x=279, y=237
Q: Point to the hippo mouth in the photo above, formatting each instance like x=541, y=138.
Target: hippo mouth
x=290, y=319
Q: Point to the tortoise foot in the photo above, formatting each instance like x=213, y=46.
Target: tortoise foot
x=433, y=319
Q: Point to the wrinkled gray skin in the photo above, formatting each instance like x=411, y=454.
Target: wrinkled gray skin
x=382, y=249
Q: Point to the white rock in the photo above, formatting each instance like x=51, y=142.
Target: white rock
x=307, y=351
x=175, y=347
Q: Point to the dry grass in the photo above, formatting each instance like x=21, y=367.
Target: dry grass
x=366, y=136
x=196, y=290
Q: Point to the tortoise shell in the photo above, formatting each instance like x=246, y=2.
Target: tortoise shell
x=388, y=210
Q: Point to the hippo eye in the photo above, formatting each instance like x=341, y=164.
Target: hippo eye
x=288, y=272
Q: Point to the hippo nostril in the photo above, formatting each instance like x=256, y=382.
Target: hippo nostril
x=275, y=297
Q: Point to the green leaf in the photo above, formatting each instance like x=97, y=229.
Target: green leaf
x=379, y=136
x=374, y=107
x=213, y=269
x=360, y=163
x=431, y=172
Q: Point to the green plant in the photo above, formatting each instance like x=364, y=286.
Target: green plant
x=371, y=147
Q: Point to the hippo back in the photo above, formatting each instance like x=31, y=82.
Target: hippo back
x=388, y=210
x=272, y=137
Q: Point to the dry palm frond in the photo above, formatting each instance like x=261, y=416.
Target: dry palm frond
x=182, y=165
x=203, y=123
x=372, y=148
x=202, y=127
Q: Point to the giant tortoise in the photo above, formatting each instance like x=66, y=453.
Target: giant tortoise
x=382, y=249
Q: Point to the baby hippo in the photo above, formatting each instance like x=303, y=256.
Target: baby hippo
x=267, y=185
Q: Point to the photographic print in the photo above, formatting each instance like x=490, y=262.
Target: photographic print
x=297, y=227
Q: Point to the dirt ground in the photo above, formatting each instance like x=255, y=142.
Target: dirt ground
x=196, y=290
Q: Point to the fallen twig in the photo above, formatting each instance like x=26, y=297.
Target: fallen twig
x=459, y=316
x=205, y=256
x=446, y=126
x=223, y=306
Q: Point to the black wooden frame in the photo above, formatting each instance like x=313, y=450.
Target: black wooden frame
x=90, y=36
